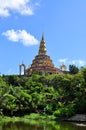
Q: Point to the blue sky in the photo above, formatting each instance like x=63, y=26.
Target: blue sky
x=22, y=23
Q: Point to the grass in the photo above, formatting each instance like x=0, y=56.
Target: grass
x=40, y=116
x=26, y=118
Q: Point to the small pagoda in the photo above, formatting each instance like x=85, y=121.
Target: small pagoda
x=42, y=63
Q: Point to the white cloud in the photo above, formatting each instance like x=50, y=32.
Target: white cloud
x=63, y=60
x=21, y=36
x=23, y=7
x=73, y=62
x=78, y=62
x=82, y=63
x=68, y=62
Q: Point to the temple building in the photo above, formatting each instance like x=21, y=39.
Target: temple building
x=42, y=63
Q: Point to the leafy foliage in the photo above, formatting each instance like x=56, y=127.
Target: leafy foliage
x=73, y=69
x=61, y=95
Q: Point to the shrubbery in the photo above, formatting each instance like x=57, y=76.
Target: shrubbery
x=61, y=95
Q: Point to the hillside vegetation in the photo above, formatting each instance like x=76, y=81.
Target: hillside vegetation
x=58, y=95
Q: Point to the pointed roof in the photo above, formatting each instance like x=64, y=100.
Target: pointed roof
x=42, y=36
x=42, y=47
x=42, y=63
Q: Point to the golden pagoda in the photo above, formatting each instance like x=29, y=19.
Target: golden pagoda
x=42, y=62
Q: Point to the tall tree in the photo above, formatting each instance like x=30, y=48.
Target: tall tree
x=73, y=69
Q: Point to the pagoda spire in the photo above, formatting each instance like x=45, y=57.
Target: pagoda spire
x=42, y=47
x=42, y=36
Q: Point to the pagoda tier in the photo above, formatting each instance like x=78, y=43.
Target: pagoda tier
x=42, y=62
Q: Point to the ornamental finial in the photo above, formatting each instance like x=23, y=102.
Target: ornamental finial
x=42, y=48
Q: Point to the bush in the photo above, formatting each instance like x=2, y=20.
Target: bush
x=65, y=112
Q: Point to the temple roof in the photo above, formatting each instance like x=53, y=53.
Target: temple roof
x=42, y=63
x=42, y=48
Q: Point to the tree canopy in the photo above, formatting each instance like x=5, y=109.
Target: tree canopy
x=61, y=95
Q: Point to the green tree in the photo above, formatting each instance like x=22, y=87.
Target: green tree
x=4, y=89
x=9, y=103
x=83, y=72
x=73, y=69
